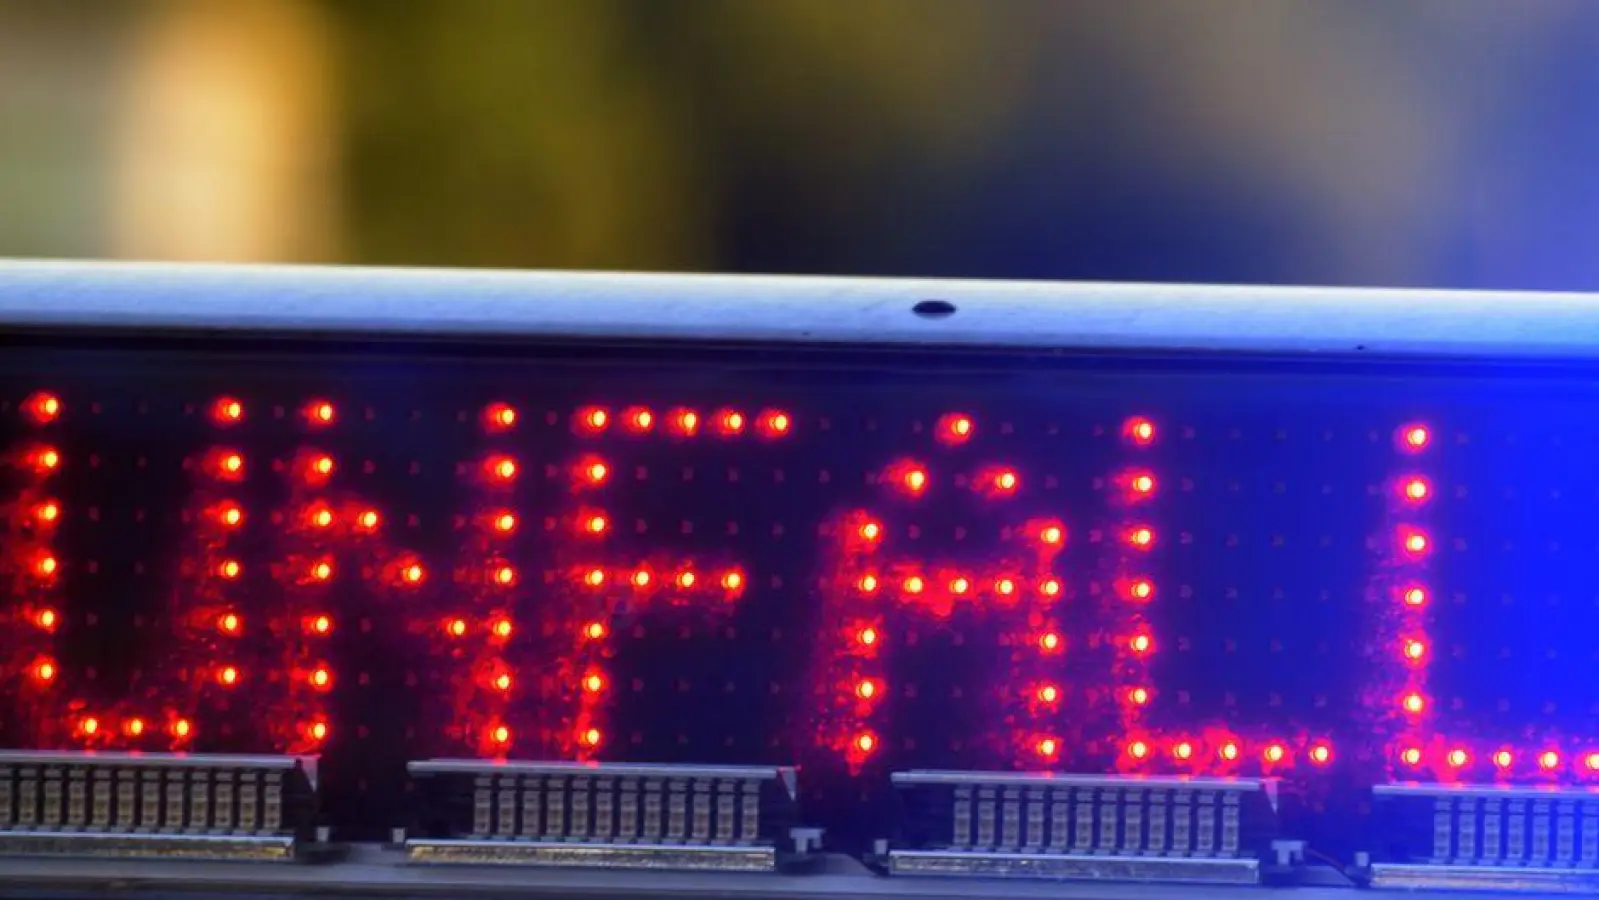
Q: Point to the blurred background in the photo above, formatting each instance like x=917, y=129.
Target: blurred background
x=1428, y=142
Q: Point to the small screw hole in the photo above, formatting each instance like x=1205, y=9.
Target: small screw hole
x=933, y=309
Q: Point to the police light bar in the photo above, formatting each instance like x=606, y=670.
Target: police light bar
x=1327, y=540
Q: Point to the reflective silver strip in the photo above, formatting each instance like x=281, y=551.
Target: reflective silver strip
x=52, y=797
x=1109, y=821
x=1133, y=823
x=505, y=817
x=482, y=805
x=1205, y=825
x=985, y=818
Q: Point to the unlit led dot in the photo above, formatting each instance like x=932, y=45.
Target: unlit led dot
x=594, y=682
x=227, y=676
x=501, y=628
x=500, y=416
x=43, y=407
x=229, y=623
x=1320, y=754
x=775, y=424
x=1048, y=693
x=866, y=689
x=505, y=523
x=1138, y=750
x=1458, y=757
x=1410, y=756
x=1549, y=760
x=1138, y=696
x=1414, y=703
x=321, y=412
x=227, y=411
x=1228, y=751
x=1049, y=641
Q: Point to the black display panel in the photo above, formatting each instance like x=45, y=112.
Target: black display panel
x=855, y=562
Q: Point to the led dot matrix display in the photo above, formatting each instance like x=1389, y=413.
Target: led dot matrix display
x=387, y=558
